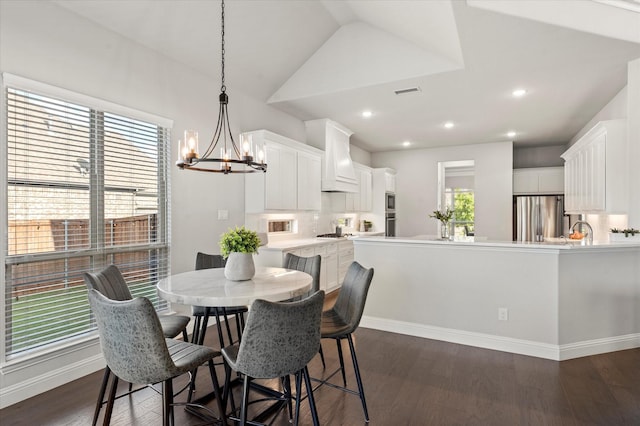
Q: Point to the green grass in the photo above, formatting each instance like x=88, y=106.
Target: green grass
x=42, y=318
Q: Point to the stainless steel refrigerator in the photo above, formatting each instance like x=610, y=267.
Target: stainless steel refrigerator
x=536, y=217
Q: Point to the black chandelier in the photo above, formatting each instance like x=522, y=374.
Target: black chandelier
x=252, y=158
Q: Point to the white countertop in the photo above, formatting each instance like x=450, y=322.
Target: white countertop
x=470, y=242
x=300, y=243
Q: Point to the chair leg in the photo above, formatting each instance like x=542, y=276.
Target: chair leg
x=286, y=385
x=167, y=403
x=312, y=401
x=344, y=375
x=227, y=393
x=324, y=366
x=222, y=406
x=110, y=400
x=103, y=389
x=245, y=400
x=298, y=396
x=356, y=369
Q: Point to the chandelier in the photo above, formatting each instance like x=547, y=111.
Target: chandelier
x=250, y=159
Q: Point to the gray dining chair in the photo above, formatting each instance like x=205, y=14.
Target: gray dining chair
x=208, y=261
x=111, y=283
x=280, y=338
x=135, y=349
x=310, y=265
x=342, y=320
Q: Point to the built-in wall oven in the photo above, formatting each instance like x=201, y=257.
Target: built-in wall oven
x=390, y=205
x=390, y=214
x=390, y=224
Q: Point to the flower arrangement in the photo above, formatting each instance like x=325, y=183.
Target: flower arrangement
x=443, y=217
x=240, y=240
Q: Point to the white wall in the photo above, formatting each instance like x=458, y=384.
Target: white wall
x=538, y=156
x=44, y=42
x=616, y=108
x=417, y=187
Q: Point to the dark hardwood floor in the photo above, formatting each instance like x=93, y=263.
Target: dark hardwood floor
x=408, y=381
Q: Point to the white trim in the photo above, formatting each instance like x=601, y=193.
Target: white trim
x=505, y=344
x=36, y=385
x=599, y=346
x=40, y=88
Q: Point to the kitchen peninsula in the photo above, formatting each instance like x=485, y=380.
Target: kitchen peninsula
x=555, y=301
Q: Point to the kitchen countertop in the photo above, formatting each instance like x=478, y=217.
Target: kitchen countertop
x=300, y=243
x=470, y=242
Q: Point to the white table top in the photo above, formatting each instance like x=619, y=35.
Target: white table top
x=209, y=287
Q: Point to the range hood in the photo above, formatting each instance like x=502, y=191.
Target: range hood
x=338, y=174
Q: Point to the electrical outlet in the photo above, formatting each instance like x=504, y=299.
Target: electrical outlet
x=223, y=214
x=503, y=314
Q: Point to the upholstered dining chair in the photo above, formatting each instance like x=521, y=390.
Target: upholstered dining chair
x=135, y=349
x=310, y=265
x=342, y=320
x=280, y=338
x=208, y=261
x=112, y=285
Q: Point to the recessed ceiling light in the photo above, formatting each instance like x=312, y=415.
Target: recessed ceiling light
x=406, y=143
x=518, y=93
x=366, y=114
x=511, y=134
x=448, y=125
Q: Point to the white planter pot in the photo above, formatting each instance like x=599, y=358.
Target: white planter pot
x=619, y=237
x=239, y=267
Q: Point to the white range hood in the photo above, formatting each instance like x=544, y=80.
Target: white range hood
x=338, y=174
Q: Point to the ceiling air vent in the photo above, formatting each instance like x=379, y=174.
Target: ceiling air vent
x=407, y=91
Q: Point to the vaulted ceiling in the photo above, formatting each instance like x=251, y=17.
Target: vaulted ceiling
x=335, y=59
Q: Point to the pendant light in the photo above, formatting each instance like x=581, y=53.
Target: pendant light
x=250, y=159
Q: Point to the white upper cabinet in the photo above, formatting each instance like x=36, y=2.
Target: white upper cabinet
x=309, y=197
x=292, y=180
x=539, y=180
x=596, y=172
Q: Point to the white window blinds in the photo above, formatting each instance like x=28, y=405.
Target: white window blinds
x=86, y=187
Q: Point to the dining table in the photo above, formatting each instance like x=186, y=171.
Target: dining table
x=210, y=289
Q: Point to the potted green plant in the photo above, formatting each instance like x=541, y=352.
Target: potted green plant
x=238, y=246
x=623, y=235
x=444, y=217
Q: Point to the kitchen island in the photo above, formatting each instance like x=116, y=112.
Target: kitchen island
x=555, y=301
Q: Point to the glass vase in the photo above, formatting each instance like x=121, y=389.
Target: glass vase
x=445, y=231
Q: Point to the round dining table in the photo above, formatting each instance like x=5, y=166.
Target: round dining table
x=210, y=288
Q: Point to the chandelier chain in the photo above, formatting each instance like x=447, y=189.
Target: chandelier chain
x=223, y=88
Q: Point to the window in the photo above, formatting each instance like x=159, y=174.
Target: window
x=86, y=186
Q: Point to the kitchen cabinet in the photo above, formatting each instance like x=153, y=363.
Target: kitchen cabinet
x=345, y=258
x=308, y=183
x=540, y=180
x=292, y=180
x=389, y=180
x=336, y=258
x=596, y=172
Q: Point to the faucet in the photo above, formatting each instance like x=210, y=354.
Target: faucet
x=589, y=230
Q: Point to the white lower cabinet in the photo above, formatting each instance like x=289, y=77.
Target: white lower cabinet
x=330, y=252
x=345, y=258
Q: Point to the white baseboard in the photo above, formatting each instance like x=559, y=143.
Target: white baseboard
x=50, y=380
x=505, y=344
x=599, y=346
